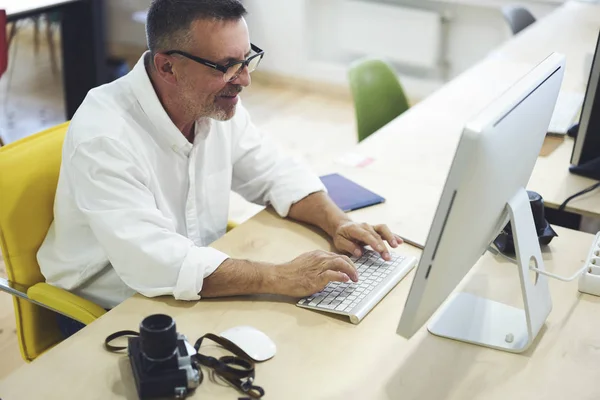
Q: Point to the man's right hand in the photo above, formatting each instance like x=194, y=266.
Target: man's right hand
x=311, y=272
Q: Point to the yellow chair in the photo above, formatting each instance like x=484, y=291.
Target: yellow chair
x=28, y=182
x=30, y=169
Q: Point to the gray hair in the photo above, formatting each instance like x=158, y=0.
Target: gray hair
x=168, y=21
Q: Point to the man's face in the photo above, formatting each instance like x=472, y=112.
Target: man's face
x=203, y=89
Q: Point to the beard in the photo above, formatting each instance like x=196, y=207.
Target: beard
x=220, y=114
x=212, y=108
x=225, y=112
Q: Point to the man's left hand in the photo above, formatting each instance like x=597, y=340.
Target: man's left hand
x=352, y=236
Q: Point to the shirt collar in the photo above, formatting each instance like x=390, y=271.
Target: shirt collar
x=167, y=134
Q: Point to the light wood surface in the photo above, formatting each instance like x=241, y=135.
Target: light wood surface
x=574, y=32
x=413, y=153
x=325, y=357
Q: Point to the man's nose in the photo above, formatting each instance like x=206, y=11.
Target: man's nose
x=243, y=78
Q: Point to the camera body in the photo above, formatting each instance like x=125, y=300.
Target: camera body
x=161, y=363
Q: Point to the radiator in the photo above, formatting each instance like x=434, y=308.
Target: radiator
x=404, y=35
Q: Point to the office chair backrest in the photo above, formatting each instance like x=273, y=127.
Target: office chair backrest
x=28, y=181
x=518, y=18
x=377, y=93
x=3, y=43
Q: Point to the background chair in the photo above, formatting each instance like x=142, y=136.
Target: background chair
x=3, y=43
x=52, y=23
x=27, y=189
x=377, y=93
x=3, y=50
x=518, y=18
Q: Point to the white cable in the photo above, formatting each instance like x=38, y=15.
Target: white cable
x=539, y=271
x=560, y=278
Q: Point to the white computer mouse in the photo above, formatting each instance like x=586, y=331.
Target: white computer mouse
x=254, y=342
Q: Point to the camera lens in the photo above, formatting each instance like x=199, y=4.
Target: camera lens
x=158, y=336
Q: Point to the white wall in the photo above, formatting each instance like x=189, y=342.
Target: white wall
x=278, y=27
x=301, y=37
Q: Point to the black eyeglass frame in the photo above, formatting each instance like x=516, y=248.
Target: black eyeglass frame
x=223, y=68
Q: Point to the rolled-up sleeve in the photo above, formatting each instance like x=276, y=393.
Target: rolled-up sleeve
x=262, y=174
x=141, y=244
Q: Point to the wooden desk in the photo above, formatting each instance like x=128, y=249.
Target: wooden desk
x=573, y=32
x=325, y=357
x=83, y=51
x=321, y=356
x=18, y=9
x=414, y=152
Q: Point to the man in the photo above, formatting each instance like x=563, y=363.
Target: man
x=148, y=164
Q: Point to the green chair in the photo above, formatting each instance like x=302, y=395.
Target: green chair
x=378, y=95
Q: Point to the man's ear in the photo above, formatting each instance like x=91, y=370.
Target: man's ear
x=164, y=67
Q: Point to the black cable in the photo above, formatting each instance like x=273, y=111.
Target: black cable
x=584, y=191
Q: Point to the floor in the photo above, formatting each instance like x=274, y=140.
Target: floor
x=311, y=126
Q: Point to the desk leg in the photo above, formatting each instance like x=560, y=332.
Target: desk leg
x=84, y=52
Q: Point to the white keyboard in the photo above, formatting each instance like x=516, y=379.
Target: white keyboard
x=376, y=278
x=566, y=110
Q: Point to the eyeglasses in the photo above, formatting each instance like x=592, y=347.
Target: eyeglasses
x=233, y=69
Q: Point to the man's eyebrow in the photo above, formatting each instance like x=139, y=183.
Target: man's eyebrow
x=231, y=59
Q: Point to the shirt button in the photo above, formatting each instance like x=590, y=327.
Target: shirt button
x=175, y=148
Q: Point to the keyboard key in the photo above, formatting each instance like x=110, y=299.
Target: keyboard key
x=315, y=301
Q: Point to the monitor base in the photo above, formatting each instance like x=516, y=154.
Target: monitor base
x=590, y=169
x=472, y=319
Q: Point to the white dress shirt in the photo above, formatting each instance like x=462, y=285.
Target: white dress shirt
x=137, y=204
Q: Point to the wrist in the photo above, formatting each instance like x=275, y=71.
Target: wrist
x=333, y=224
x=271, y=279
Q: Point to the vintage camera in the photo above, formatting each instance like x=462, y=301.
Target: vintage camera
x=161, y=363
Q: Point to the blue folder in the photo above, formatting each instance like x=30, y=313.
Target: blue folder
x=349, y=195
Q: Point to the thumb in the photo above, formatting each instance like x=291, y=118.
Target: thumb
x=348, y=246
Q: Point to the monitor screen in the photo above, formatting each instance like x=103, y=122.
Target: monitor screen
x=587, y=142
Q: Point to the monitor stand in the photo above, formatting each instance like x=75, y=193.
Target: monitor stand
x=590, y=169
x=484, y=322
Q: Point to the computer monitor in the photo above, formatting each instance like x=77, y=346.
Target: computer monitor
x=585, y=159
x=485, y=188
